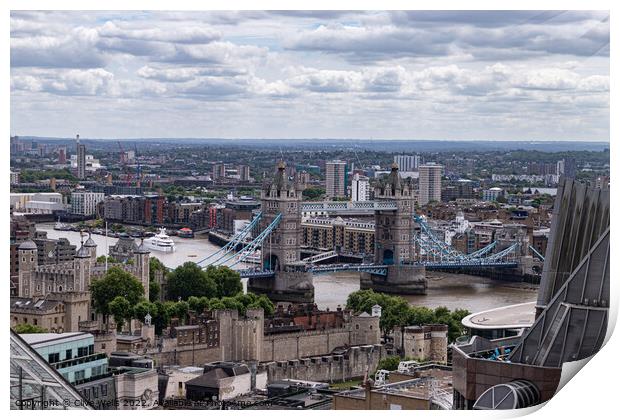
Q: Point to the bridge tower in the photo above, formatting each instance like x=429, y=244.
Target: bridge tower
x=394, y=242
x=393, y=228
x=281, y=250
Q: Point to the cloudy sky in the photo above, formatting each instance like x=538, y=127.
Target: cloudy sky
x=394, y=75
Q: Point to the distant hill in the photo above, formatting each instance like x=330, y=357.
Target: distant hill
x=404, y=146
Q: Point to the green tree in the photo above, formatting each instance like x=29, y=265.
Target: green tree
x=101, y=259
x=154, y=290
x=265, y=303
x=28, y=329
x=389, y=363
x=181, y=310
x=161, y=317
x=215, y=304
x=142, y=308
x=190, y=280
x=396, y=311
x=156, y=265
x=198, y=304
x=313, y=193
x=121, y=309
x=232, y=303
x=227, y=281
x=116, y=282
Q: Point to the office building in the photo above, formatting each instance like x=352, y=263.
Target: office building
x=85, y=202
x=335, y=179
x=360, y=188
x=72, y=354
x=407, y=163
x=430, y=183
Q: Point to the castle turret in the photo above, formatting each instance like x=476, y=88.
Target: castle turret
x=91, y=246
x=142, y=257
x=27, y=253
x=82, y=269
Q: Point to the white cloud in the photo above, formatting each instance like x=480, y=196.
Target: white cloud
x=300, y=74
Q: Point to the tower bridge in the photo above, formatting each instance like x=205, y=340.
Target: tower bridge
x=405, y=246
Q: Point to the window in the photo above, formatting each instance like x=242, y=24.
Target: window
x=69, y=354
x=82, y=351
x=79, y=375
x=53, y=357
x=91, y=349
x=36, y=322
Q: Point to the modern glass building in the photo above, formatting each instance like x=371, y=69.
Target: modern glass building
x=36, y=385
x=71, y=354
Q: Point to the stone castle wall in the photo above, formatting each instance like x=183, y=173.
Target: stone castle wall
x=355, y=363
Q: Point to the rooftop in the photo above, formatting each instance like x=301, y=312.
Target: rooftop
x=513, y=316
x=46, y=338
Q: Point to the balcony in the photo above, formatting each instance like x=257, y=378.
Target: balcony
x=78, y=361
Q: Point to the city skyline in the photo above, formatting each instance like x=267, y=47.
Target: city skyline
x=393, y=75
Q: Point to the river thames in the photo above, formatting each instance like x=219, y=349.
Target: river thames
x=451, y=290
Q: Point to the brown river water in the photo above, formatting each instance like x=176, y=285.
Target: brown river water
x=444, y=289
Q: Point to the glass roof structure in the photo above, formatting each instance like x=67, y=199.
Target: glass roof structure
x=35, y=385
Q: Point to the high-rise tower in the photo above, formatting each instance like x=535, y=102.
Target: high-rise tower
x=81, y=158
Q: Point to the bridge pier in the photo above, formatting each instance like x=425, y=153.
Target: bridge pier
x=285, y=286
x=400, y=280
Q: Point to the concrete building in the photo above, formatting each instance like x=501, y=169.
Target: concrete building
x=360, y=188
x=218, y=172
x=492, y=194
x=53, y=251
x=244, y=172
x=427, y=388
x=566, y=167
x=407, y=163
x=85, y=202
x=430, y=183
x=62, y=155
x=222, y=381
x=14, y=178
x=335, y=179
x=81, y=158
x=37, y=203
x=347, y=236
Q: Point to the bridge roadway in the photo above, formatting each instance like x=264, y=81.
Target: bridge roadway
x=381, y=269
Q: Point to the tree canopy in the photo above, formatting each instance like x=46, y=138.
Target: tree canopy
x=190, y=280
x=396, y=311
x=121, y=309
x=227, y=281
x=116, y=282
x=28, y=329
